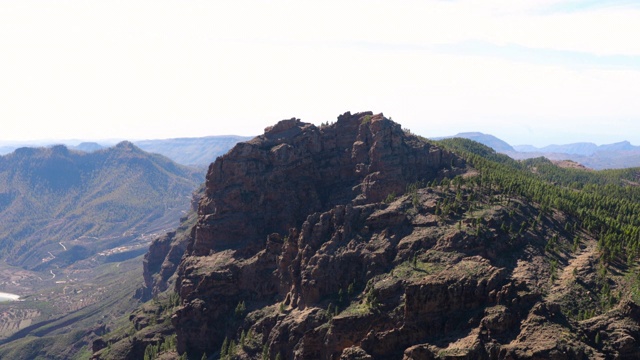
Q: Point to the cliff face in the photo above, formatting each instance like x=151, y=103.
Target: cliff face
x=273, y=182
x=165, y=253
x=279, y=194
x=276, y=180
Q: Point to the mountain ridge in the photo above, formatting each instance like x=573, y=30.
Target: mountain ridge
x=201, y=151
x=191, y=151
x=580, y=148
x=49, y=182
x=607, y=156
x=486, y=139
x=74, y=226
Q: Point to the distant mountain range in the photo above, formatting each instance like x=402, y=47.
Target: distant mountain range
x=59, y=206
x=582, y=148
x=609, y=156
x=199, y=151
x=485, y=139
x=192, y=151
x=9, y=147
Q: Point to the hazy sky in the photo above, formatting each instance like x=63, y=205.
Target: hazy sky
x=527, y=71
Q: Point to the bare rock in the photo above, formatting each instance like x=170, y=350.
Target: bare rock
x=296, y=176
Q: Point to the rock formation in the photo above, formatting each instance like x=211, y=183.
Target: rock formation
x=356, y=240
x=266, y=193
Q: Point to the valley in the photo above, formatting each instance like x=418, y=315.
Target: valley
x=75, y=226
x=85, y=304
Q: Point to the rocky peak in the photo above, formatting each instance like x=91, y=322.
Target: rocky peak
x=127, y=146
x=281, y=128
x=60, y=150
x=274, y=188
x=271, y=183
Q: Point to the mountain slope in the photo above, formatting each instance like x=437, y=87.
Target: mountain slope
x=488, y=140
x=192, y=151
x=89, y=202
x=75, y=225
x=609, y=156
x=583, y=148
x=199, y=151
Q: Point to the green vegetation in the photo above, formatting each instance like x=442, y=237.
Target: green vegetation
x=153, y=350
x=605, y=203
x=60, y=347
x=415, y=269
x=371, y=298
x=357, y=308
x=390, y=198
x=240, y=310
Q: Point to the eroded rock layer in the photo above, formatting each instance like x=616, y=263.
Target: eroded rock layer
x=284, y=194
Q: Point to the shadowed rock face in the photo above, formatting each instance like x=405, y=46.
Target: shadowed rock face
x=265, y=189
x=273, y=182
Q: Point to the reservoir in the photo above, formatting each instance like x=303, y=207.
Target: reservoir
x=8, y=297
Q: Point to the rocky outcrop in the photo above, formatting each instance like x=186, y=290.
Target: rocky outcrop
x=165, y=253
x=617, y=333
x=300, y=183
x=271, y=183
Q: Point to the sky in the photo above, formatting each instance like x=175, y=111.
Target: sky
x=530, y=71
